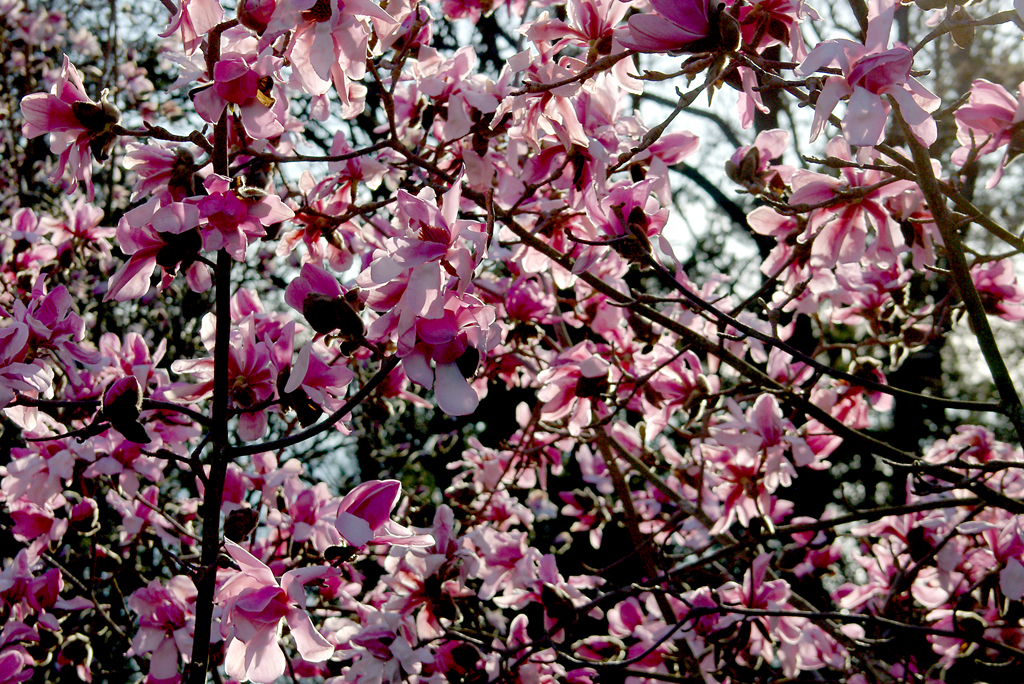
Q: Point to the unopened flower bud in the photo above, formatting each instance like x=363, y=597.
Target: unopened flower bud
x=962, y=35
x=746, y=172
x=240, y=523
x=327, y=314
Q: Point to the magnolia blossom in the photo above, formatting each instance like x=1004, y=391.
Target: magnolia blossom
x=155, y=235
x=232, y=216
x=989, y=120
x=252, y=378
x=79, y=128
x=166, y=622
x=250, y=87
x=1000, y=292
x=871, y=71
x=254, y=605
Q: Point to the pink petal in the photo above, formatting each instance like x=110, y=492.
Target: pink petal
x=250, y=565
x=311, y=644
x=264, y=660
x=132, y=279
x=1011, y=580
x=355, y=530
x=453, y=392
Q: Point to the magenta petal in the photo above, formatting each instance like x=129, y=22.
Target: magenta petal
x=234, y=660
x=264, y=659
x=249, y=564
x=354, y=530
x=372, y=501
x=864, y=123
x=688, y=14
x=258, y=603
x=132, y=279
x=418, y=369
x=652, y=33
x=1011, y=580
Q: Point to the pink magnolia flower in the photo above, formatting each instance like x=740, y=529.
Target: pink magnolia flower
x=250, y=86
x=155, y=235
x=770, y=22
x=755, y=592
x=364, y=516
x=448, y=351
x=678, y=384
x=166, y=622
x=161, y=170
x=573, y=387
x=251, y=373
x=78, y=127
x=141, y=515
x=254, y=605
x=990, y=119
x=329, y=41
x=840, y=230
x=590, y=24
x=1000, y=292
x=37, y=524
x=16, y=376
x=629, y=216
x=38, y=474
x=548, y=111
x=233, y=216
x=384, y=648
x=54, y=330
x=870, y=71
x=80, y=229
x=15, y=661
x=417, y=282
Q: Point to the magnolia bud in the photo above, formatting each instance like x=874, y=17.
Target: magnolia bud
x=746, y=173
x=326, y=314
x=962, y=35
x=728, y=30
x=240, y=523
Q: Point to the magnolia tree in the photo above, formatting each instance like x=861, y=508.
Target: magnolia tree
x=338, y=235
